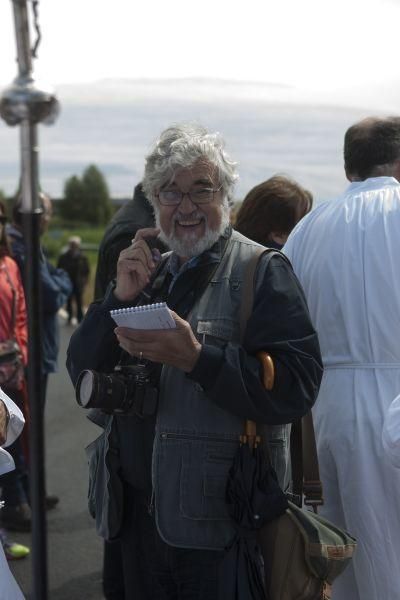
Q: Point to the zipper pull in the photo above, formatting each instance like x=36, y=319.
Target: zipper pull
x=150, y=508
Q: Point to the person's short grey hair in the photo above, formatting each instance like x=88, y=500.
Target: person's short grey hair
x=182, y=146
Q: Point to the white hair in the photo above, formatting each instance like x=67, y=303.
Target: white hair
x=182, y=146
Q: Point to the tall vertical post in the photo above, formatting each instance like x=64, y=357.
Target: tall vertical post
x=25, y=104
x=31, y=222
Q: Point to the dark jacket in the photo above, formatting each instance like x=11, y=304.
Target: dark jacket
x=56, y=287
x=227, y=373
x=135, y=214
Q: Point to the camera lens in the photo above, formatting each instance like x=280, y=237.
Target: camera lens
x=84, y=394
x=85, y=389
x=107, y=391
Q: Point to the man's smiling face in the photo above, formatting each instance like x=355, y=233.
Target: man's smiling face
x=187, y=228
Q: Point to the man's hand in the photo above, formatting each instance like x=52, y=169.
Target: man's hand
x=175, y=347
x=3, y=422
x=135, y=266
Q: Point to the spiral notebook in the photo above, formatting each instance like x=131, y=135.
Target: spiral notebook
x=150, y=316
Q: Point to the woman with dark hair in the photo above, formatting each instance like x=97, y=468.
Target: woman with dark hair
x=13, y=326
x=272, y=209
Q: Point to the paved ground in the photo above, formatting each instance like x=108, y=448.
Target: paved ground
x=74, y=550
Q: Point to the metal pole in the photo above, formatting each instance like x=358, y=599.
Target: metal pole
x=24, y=103
x=31, y=226
x=31, y=222
x=22, y=37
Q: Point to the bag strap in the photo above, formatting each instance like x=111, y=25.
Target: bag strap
x=249, y=283
x=312, y=485
x=14, y=294
x=248, y=289
x=304, y=458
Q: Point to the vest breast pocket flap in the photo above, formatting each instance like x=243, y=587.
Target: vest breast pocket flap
x=218, y=331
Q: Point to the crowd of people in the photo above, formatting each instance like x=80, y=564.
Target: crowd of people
x=327, y=322
x=56, y=287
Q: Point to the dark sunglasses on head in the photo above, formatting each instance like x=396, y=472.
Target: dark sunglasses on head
x=3, y=219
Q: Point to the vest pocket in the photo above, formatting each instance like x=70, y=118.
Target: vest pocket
x=204, y=474
x=218, y=331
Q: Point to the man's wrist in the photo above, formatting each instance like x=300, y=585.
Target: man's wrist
x=207, y=366
x=193, y=360
x=120, y=296
x=110, y=300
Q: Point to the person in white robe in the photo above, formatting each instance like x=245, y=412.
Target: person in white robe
x=346, y=255
x=11, y=425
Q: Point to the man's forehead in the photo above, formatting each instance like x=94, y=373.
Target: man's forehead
x=201, y=172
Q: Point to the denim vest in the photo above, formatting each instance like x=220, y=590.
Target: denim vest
x=195, y=440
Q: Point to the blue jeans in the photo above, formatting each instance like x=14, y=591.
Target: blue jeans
x=153, y=570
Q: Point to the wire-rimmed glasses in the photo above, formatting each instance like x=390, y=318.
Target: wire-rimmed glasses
x=197, y=196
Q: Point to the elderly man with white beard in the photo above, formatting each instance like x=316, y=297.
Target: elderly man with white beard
x=171, y=457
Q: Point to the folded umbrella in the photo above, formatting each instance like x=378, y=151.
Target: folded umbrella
x=253, y=498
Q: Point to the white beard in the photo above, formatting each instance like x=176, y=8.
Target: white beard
x=192, y=246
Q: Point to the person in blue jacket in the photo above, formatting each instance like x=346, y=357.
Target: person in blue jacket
x=56, y=288
x=56, y=285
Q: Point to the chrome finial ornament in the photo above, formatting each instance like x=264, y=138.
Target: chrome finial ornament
x=25, y=99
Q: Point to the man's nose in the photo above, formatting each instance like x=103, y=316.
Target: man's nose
x=187, y=206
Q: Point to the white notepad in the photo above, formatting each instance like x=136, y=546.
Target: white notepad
x=151, y=316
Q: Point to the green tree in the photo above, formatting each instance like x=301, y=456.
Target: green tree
x=6, y=201
x=87, y=199
x=72, y=206
x=97, y=204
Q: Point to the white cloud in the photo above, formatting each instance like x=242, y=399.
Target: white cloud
x=314, y=44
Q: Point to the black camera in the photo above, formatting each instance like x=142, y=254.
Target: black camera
x=128, y=390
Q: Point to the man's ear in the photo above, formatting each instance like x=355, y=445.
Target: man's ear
x=349, y=176
x=278, y=238
x=396, y=170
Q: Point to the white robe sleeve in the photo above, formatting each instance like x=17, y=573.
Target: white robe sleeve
x=14, y=428
x=9, y=589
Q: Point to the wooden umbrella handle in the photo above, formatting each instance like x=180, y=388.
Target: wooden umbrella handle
x=268, y=369
x=267, y=363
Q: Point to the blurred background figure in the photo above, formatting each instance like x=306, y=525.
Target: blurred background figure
x=271, y=209
x=56, y=287
x=76, y=264
x=13, y=327
x=135, y=214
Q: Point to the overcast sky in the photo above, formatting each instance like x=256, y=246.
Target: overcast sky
x=307, y=43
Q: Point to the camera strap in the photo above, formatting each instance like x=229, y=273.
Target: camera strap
x=189, y=286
